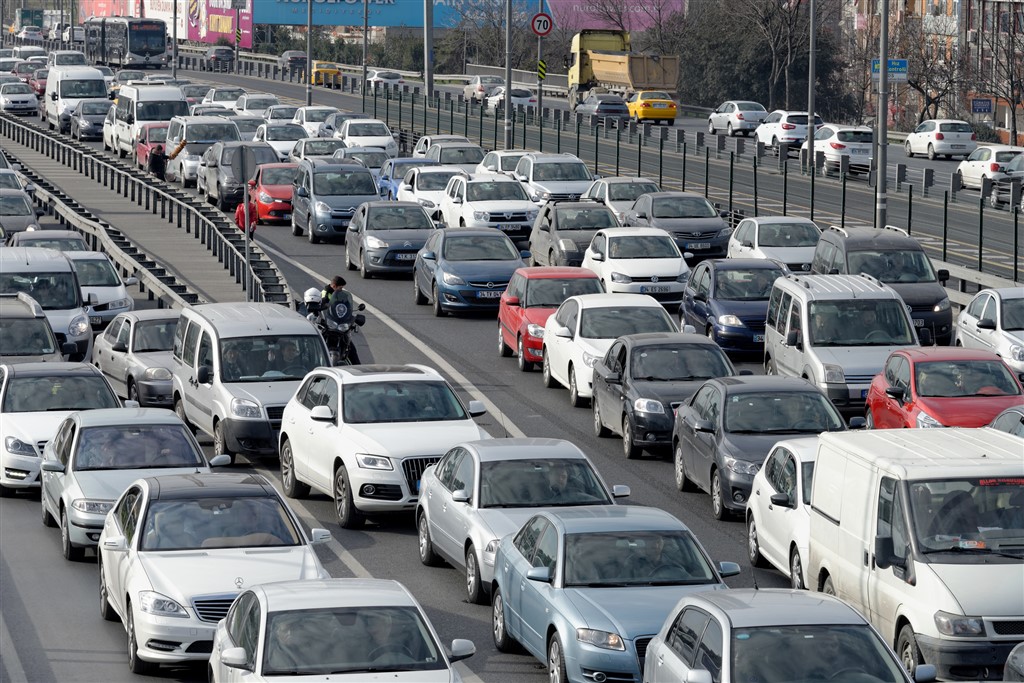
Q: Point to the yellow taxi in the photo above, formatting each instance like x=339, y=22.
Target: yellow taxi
x=324, y=71
x=651, y=105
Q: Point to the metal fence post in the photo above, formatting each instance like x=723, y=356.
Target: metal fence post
x=481, y=110
x=682, y=179
x=842, y=205
x=981, y=231
x=754, y=172
x=579, y=120
x=525, y=111
x=945, y=223
x=639, y=153
x=618, y=142
x=1016, y=239
x=597, y=146
x=707, y=170
x=558, y=133
x=910, y=207
x=732, y=165
x=785, y=186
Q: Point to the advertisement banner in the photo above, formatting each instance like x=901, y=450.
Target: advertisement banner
x=350, y=12
x=164, y=9
x=211, y=20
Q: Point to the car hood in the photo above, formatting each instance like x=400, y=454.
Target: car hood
x=620, y=207
x=967, y=411
x=381, y=141
x=919, y=293
x=18, y=223
x=789, y=254
x=282, y=146
x=347, y=202
x=538, y=315
x=34, y=427
x=857, y=360
x=434, y=676
x=278, y=191
x=432, y=438
x=967, y=581
x=581, y=238
x=576, y=187
x=60, y=319
x=266, y=393
x=105, y=295
x=501, y=522
x=434, y=196
x=501, y=206
x=689, y=224
x=752, y=447
x=110, y=484
x=155, y=359
x=667, y=392
x=397, y=238
x=94, y=118
x=630, y=612
x=665, y=269
x=484, y=271
x=741, y=309
x=595, y=347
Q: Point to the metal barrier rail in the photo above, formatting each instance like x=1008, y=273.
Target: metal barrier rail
x=220, y=236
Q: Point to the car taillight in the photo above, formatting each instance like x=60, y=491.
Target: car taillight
x=739, y=116
x=995, y=168
x=940, y=136
x=533, y=100
x=645, y=105
x=788, y=126
x=837, y=145
x=974, y=136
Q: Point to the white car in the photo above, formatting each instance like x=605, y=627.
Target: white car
x=74, y=34
x=638, y=261
x=110, y=130
x=948, y=137
x=521, y=97
x=786, y=239
x=310, y=118
x=501, y=161
x=18, y=98
x=281, y=136
x=426, y=185
x=553, y=176
x=368, y=133
x=35, y=397
x=836, y=142
x=98, y=277
x=222, y=97
x=314, y=148
x=778, y=513
x=378, y=77
x=424, y=143
x=580, y=332
x=785, y=127
x=619, y=194
x=489, y=202
x=994, y=321
x=176, y=550
x=986, y=162
x=333, y=629
x=255, y=104
x=96, y=454
x=465, y=155
x=736, y=116
x=479, y=86
x=364, y=434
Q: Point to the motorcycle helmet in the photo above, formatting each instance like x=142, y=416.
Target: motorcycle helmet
x=312, y=296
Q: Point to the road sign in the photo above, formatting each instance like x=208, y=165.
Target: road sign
x=542, y=69
x=981, y=105
x=898, y=70
x=542, y=24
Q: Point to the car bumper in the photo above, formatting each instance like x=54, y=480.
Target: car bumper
x=468, y=298
x=939, y=323
x=381, y=491
x=672, y=294
x=19, y=471
x=92, y=132
x=739, y=338
x=849, y=399
x=84, y=529
x=736, y=489
x=390, y=260
x=100, y=319
x=533, y=347
x=276, y=211
x=652, y=430
x=585, y=662
x=329, y=227
x=189, y=170
x=173, y=639
x=957, y=660
x=653, y=114
x=714, y=247
x=21, y=109
x=954, y=148
x=250, y=437
x=156, y=393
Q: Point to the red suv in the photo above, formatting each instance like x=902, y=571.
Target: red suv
x=941, y=387
x=532, y=295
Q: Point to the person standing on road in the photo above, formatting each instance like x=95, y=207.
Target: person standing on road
x=157, y=162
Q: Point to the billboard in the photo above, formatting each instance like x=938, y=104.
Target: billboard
x=631, y=15
x=350, y=12
x=202, y=21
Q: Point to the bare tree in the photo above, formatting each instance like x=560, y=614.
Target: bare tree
x=1000, y=66
x=932, y=70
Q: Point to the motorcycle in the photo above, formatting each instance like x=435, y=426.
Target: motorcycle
x=338, y=334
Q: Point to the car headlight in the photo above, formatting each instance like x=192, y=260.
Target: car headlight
x=730, y=321
x=492, y=546
x=532, y=214
x=243, y=407
x=941, y=306
x=152, y=602
x=621, y=279
x=741, y=466
x=683, y=277
x=426, y=203
x=375, y=242
x=956, y=625
x=120, y=303
x=481, y=215
x=322, y=207
x=648, y=405
x=79, y=326
x=725, y=233
x=567, y=245
x=589, y=359
x=924, y=421
x=544, y=195
x=156, y=373
x=18, y=447
x=373, y=462
x=85, y=124
x=1016, y=352
x=452, y=279
x=601, y=639
x=535, y=330
x=92, y=507
x=834, y=374
x=265, y=198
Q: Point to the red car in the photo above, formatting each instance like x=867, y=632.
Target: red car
x=25, y=70
x=941, y=387
x=532, y=295
x=38, y=81
x=150, y=135
x=270, y=194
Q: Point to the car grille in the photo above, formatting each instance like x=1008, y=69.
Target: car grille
x=1008, y=628
x=274, y=414
x=798, y=267
x=213, y=608
x=657, y=278
x=754, y=324
x=558, y=196
x=502, y=217
x=641, y=649
x=859, y=379
x=413, y=469
x=492, y=284
x=926, y=308
x=696, y=235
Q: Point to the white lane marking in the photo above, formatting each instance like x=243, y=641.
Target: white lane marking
x=12, y=661
x=503, y=420
x=347, y=559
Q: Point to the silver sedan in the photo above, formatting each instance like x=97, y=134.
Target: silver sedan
x=134, y=354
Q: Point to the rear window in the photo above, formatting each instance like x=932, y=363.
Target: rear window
x=864, y=136
x=1006, y=156
x=955, y=128
x=801, y=119
x=749, y=106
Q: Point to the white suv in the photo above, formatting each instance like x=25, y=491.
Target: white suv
x=837, y=141
x=363, y=434
x=553, y=176
x=781, y=126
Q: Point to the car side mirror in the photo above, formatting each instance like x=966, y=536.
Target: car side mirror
x=131, y=281
x=747, y=243
x=943, y=276
x=405, y=186
x=700, y=296
x=986, y=324
x=460, y=496
x=69, y=348
x=477, y=408
x=525, y=255
x=321, y=414
x=793, y=339
x=212, y=163
x=613, y=378
x=317, y=536
x=885, y=556
x=429, y=256
x=40, y=212
x=621, y=491
x=540, y=574
x=727, y=569
x=52, y=466
x=924, y=336
x=456, y=200
x=562, y=331
x=301, y=192
x=896, y=393
x=698, y=676
x=118, y=346
x=597, y=256
x=858, y=423
x=252, y=184
x=204, y=375
x=235, y=658
x=461, y=649
x=782, y=499
x=640, y=214
x=512, y=301
x=53, y=96
x=706, y=426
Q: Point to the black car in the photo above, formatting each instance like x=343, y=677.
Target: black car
x=694, y=223
x=604, y=106
x=644, y=378
x=564, y=228
x=219, y=58
x=292, y=60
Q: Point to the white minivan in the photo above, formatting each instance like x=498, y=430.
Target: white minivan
x=922, y=531
x=65, y=86
x=230, y=379
x=138, y=104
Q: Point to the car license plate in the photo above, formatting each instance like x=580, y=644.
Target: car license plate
x=405, y=257
x=653, y=289
x=509, y=226
x=95, y=319
x=758, y=338
x=958, y=146
x=660, y=105
x=488, y=294
x=918, y=322
x=699, y=245
x=860, y=151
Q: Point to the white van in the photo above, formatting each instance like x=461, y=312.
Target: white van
x=835, y=331
x=66, y=58
x=65, y=86
x=24, y=52
x=138, y=104
x=48, y=277
x=922, y=531
x=188, y=137
x=227, y=371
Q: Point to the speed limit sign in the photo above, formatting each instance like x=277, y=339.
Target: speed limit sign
x=542, y=24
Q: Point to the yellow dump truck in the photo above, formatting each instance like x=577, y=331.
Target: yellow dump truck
x=602, y=58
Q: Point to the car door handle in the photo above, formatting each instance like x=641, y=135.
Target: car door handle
x=522, y=585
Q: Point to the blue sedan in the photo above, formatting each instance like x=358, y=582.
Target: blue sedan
x=461, y=269
x=585, y=590
x=394, y=170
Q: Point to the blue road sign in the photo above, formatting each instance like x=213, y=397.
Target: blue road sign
x=898, y=69
x=981, y=105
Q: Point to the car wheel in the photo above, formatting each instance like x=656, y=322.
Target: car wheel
x=629, y=447
x=546, y=378
x=222, y=203
x=220, y=442
x=775, y=146
x=296, y=230
x=438, y=310
x=574, y=393
x=679, y=469
x=311, y=235
x=770, y=368
x=179, y=410
x=348, y=516
x=293, y=488
x=753, y=546
x=48, y=520
x=136, y=665
x=426, y=547
x=364, y=272
x=418, y=295
x=931, y=153
x=717, y=497
x=711, y=127
x=502, y=641
x=710, y=332
x=133, y=392
x=869, y=419
x=106, y=610
x=729, y=131
x=524, y=365
x=556, y=662
x=474, y=590
x=600, y=430
x=907, y=150
x=70, y=552
x=907, y=649
x=349, y=263
x=827, y=586
x=796, y=571
x=503, y=350
x=106, y=147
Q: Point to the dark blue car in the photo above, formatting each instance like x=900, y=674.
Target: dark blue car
x=392, y=172
x=727, y=299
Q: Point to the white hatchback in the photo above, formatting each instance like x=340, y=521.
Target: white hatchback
x=836, y=142
x=787, y=239
x=994, y=321
x=948, y=137
x=638, y=261
x=986, y=162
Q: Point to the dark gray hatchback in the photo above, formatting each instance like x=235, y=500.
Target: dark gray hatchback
x=384, y=237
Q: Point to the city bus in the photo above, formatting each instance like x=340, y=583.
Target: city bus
x=126, y=42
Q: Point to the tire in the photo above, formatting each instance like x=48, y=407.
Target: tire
x=796, y=571
x=349, y=265
x=828, y=588
x=524, y=365
x=869, y=419
x=179, y=410
x=600, y=430
x=753, y=546
x=136, y=665
x=106, y=611
x=503, y=350
x=313, y=239
x=729, y=131
x=776, y=147
x=474, y=590
x=293, y=488
x=6, y=492
x=574, y=393
x=770, y=367
x=710, y=332
x=221, y=204
x=426, y=546
x=296, y=230
x=545, y=371
x=133, y=392
x=682, y=483
x=418, y=297
x=348, y=516
x=106, y=147
x=502, y=640
x=931, y=153
x=718, y=509
x=629, y=448
x=71, y=553
x=48, y=520
x=220, y=442
x=711, y=128
x=556, y=661
x=907, y=150
x=363, y=270
x=439, y=312
x=907, y=649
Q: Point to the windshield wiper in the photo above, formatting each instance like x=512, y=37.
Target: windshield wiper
x=599, y=584
x=961, y=549
x=372, y=669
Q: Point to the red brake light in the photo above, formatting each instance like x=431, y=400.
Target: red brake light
x=645, y=104
x=974, y=136
x=995, y=168
x=739, y=115
x=837, y=145
x=940, y=136
x=788, y=126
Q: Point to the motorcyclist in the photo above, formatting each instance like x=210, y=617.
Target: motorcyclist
x=341, y=309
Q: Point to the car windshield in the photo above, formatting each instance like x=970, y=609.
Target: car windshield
x=338, y=183
x=369, y=129
x=479, y=248
x=136, y=446
x=247, y=126
x=635, y=558
x=378, y=402
x=642, y=247
x=369, y=159
x=325, y=147
x=53, y=291
x=10, y=181
x=787, y=235
x=262, y=153
x=278, y=176
x=217, y=522
x=682, y=207
x=286, y=133
x=461, y=155
x=979, y=517
x=15, y=89
x=533, y=483
x=372, y=641
x=788, y=412
x=398, y=218
x=551, y=292
x=25, y=67
x=15, y=205
x=260, y=102
x=195, y=90
x=283, y=113
x=89, y=87
x=58, y=243
x=26, y=337
x=261, y=359
x=318, y=115
x=679, y=363
x=960, y=378
x=124, y=76
x=227, y=94
x=613, y=322
x=154, y=335
x=863, y=322
x=97, y=272
x=911, y=265
x=212, y=132
x=813, y=652
x=955, y=128
x=158, y=134
x=58, y=392
x=1012, y=311
x=589, y=218
x=160, y=111
x=510, y=161
x=627, y=192
x=95, y=108
x=861, y=136
x=489, y=191
x=561, y=171
x=41, y=74
x=745, y=285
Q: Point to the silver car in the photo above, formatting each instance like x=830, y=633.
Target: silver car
x=619, y=193
x=736, y=116
x=87, y=119
x=134, y=354
x=481, y=491
x=16, y=211
x=102, y=286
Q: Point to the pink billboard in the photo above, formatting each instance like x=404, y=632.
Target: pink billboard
x=629, y=15
x=211, y=20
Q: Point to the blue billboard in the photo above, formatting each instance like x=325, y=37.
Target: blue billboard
x=350, y=12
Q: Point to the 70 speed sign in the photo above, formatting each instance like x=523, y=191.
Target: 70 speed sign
x=542, y=24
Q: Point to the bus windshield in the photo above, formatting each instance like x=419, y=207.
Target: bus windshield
x=147, y=38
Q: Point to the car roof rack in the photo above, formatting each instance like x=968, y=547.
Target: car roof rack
x=896, y=229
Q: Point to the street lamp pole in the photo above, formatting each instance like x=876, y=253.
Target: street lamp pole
x=366, y=47
x=428, y=47
x=508, y=74
x=174, y=39
x=309, y=53
x=812, y=127
x=881, y=198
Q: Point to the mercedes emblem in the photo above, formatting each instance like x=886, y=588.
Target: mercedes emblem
x=239, y=581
